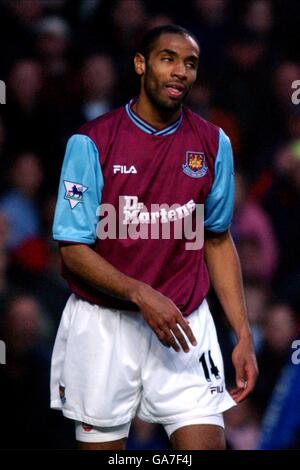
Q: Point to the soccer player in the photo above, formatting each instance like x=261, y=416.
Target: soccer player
x=136, y=335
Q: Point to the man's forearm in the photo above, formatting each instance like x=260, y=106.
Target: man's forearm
x=82, y=261
x=225, y=274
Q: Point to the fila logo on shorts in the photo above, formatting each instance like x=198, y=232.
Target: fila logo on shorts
x=216, y=389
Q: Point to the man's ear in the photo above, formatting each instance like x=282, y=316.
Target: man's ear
x=139, y=64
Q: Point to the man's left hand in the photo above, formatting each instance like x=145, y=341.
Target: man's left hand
x=244, y=361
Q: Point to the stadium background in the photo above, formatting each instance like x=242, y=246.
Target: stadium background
x=67, y=61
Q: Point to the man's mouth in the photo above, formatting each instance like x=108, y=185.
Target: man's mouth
x=175, y=90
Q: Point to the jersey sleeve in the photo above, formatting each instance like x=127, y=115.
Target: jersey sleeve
x=79, y=194
x=218, y=208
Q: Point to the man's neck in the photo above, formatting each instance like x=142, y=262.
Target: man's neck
x=156, y=118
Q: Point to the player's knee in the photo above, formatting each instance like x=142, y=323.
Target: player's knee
x=217, y=445
x=201, y=437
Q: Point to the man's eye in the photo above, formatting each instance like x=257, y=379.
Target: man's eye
x=168, y=59
x=191, y=65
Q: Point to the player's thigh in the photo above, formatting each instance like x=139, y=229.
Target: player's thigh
x=199, y=437
x=112, y=445
x=90, y=437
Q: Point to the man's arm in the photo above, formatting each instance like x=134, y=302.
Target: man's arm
x=225, y=274
x=159, y=312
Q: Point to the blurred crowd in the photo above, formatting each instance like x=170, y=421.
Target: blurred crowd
x=68, y=61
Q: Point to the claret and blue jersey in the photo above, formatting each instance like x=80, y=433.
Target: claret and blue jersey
x=118, y=155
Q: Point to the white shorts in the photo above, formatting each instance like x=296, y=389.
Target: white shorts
x=108, y=365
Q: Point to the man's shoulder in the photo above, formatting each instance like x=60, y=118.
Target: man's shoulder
x=200, y=122
x=102, y=122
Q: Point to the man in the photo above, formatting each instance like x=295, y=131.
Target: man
x=136, y=336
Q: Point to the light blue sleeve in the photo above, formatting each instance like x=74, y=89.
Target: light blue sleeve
x=79, y=194
x=219, y=203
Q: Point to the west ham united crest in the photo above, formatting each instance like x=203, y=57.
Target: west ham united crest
x=194, y=165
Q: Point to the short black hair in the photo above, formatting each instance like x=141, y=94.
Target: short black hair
x=148, y=41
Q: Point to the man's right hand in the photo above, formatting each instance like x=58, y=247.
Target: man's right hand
x=164, y=318
x=159, y=312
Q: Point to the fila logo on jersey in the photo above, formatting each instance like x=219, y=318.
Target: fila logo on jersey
x=124, y=169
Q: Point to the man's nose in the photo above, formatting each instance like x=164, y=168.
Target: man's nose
x=179, y=70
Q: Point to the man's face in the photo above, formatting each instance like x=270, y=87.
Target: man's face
x=170, y=71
